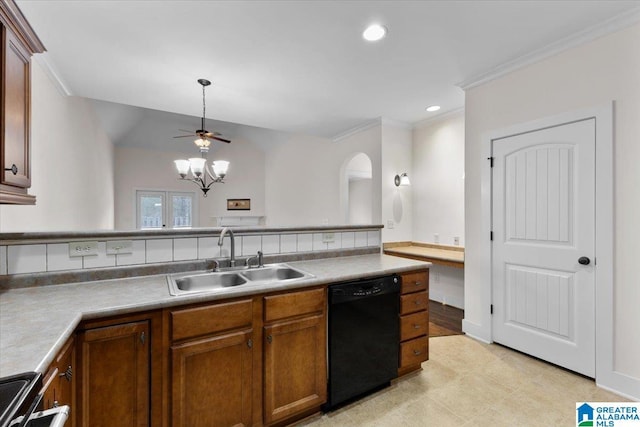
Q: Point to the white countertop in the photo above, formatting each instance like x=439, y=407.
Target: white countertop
x=36, y=322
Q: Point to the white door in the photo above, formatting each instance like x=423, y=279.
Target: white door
x=543, y=232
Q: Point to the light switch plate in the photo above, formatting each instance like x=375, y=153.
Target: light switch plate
x=83, y=248
x=116, y=247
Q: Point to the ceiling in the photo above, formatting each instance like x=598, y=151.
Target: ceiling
x=295, y=66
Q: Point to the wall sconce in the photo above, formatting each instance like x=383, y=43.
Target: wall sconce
x=402, y=179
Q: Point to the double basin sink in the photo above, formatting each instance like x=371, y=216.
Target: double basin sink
x=187, y=283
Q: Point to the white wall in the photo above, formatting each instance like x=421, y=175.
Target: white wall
x=71, y=165
x=446, y=285
x=360, y=203
x=397, y=202
x=586, y=76
x=138, y=168
x=437, y=180
x=305, y=180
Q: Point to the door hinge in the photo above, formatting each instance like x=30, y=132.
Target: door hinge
x=491, y=235
x=491, y=160
x=491, y=308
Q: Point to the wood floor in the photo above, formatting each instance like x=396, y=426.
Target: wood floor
x=444, y=320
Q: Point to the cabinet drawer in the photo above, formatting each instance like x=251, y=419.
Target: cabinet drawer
x=414, y=325
x=414, y=282
x=293, y=304
x=198, y=321
x=414, y=351
x=410, y=303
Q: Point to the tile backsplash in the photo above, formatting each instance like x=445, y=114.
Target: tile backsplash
x=23, y=257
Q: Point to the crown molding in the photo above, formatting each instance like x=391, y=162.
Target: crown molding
x=53, y=74
x=608, y=26
x=439, y=118
x=357, y=129
x=396, y=123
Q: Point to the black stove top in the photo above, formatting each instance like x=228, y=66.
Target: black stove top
x=17, y=395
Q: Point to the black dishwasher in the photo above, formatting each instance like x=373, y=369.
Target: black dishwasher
x=364, y=333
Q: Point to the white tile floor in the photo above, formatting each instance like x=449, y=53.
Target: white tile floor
x=468, y=383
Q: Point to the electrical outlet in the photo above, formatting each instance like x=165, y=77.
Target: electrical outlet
x=328, y=237
x=436, y=238
x=456, y=241
x=390, y=223
x=83, y=248
x=115, y=247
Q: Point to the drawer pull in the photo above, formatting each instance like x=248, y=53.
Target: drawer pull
x=417, y=283
x=416, y=326
x=418, y=302
x=68, y=374
x=417, y=352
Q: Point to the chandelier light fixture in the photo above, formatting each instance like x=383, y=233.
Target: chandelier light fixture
x=201, y=175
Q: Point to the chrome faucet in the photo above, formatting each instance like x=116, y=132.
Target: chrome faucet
x=232, y=261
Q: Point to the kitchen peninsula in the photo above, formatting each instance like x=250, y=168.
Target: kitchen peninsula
x=176, y=340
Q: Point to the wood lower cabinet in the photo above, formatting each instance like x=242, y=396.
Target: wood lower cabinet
x=295, y=370
x=212, y=381
x=212, y=365
x=414, y=321
x=115, y=375
x=60, y=381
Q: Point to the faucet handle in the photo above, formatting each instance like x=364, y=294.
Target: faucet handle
x=250, y=260
x=216, y=265
x=260, y=259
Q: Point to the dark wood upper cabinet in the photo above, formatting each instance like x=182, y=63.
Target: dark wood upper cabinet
x=19, y=42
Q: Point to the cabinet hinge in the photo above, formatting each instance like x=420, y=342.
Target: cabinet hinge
x=491, y=309
x=491, y=160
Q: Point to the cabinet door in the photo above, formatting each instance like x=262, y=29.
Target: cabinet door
x=16, y=95
x=211, y=381
x=115, y=372
x=295, y=368
x=61, y=378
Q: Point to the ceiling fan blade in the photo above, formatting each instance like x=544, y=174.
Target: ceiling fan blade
x=187, y=131
x=220, y=139
x=185, y=136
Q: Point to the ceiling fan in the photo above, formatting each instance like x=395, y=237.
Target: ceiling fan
x=204, y=136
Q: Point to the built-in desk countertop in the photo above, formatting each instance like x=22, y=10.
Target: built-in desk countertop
x=451, y=256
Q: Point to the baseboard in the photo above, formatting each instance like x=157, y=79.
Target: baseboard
x=475, y=331
x=442, y=298
x=621, y=384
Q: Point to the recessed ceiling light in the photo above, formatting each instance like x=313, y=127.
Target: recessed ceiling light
x=374, y=32
x=433, y=108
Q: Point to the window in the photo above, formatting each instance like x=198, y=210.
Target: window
x=161, y=209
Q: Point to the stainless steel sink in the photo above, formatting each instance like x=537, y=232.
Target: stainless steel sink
x=273, y=272
x=203, y=282
x=187, y=283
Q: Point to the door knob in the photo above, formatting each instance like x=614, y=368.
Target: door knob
x=584, y=260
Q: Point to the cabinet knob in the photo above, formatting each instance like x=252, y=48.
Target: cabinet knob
x=250, y=343
x=13, y=169
x=68, y=374
x=142, y=337
x=55, y=404
x=269, y=339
